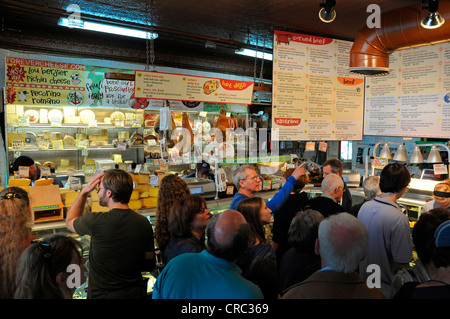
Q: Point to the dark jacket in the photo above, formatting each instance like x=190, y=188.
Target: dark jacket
x=324, y=205
x=282, y=220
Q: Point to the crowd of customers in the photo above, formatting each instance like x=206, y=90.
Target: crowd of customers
x=321, y=248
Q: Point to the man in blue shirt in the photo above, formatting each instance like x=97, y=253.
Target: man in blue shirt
x=212, y=273
x=247, y=182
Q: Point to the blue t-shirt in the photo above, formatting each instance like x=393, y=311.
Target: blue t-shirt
x=206, y=277
x=276, y=202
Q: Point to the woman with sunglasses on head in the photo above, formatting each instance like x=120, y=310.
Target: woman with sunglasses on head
x=15, y=235
x=187, y=225
x=50, y=269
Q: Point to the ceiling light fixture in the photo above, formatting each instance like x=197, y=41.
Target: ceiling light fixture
x=433, y=19
x=327, y=13
x=252, y=53
x=100, y=27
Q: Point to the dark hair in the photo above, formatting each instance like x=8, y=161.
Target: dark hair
x=299, y=184
x=120, y=183
x=22, y=161
x=182, y=214
x=37, y=271
x=250, y=208
x=303, y=231
x=423, y=233
x=234, y=248
x=335, y=165
x=441, y=257
x=394, y=177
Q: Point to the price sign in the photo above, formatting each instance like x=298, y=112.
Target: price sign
x=24, y=171
x=57, y=145
x=379, y=162
x=18, y=145
x=45, y=171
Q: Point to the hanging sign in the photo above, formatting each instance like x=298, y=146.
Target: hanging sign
x=168, y=86
x=35, y=82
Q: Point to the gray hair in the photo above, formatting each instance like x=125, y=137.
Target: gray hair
x=343, y=241
x=302, y=233
x=239, y=174
x=331, y=182
x=371, y=187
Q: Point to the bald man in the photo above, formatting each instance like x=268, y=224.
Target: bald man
x=328, y=202
x=228, y=237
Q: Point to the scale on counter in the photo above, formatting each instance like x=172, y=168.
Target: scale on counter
x=201, y=186
x=351, y=179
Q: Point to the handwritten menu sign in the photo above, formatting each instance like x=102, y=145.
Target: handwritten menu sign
x=35, y=82
x=314, y=97
x=414, y=99
x=168, y=86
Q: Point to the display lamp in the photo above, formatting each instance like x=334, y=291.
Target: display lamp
x=434, y=156
x=386, y=151
x=400, y=154
x=416, y=157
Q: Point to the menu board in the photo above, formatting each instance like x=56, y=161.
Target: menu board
x=414, y=99
x=35, y=82
x=168, y=86
x=314, y=97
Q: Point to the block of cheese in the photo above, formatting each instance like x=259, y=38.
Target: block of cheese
x=96, y=208
x=19, y=182
x=142, y=178
x=94, y=196
x=143, y=195
x=149, y=202
x=69, y=198
x=142, y=188
x=43, y=181
x=134, y=195
x=135, y=204
x=153, y=191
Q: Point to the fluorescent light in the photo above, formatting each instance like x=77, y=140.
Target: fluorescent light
x=80, y=24
x=252, y=53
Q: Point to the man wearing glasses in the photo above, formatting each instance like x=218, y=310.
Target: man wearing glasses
x=248, y=183
x=122, y=242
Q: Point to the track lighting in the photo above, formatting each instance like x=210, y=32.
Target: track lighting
x=433, y=19
x=327, y=13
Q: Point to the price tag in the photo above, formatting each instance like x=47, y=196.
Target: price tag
x=230, y=190
x=55, y=121
x=122, y=146
x=73, y=182
x=18, y=145
x=119, y=123
x=379, y=162
x=43, y=145
x=122, y=166
x=164, y=167
x=92, y=123
x=57, y=145
x=82, y=144
x=24, y=121
x=323, y=146
x=89, y=170
x=24, y=171
x=136, y=123
x=310, y=146
x=440, y=169
x=70, y=172
x=45, y=171
x=138, y=168
x=154, y=180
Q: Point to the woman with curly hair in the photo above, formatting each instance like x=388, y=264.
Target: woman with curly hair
x=15, y=235
x=171, y=189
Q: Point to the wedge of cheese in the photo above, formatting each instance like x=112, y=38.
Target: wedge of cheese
x=149, y=202
x=135, y=204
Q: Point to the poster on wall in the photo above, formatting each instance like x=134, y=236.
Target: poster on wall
x=314, y=97
x=414, y=99
x=36, y=82
x=178, y=87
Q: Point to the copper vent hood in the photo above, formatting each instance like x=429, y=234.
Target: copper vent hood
x=400, y=29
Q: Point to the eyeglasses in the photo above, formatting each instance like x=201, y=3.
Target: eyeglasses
x=203, y=209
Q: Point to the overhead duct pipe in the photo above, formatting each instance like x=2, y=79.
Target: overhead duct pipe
x=400, y=29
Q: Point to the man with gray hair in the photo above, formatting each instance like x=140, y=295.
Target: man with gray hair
x=328, y=202
x=342, y=244
x=371, y=188
x=248, y=183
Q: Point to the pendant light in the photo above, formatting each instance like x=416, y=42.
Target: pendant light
x=400, y=154
x=386, y=151
x=327, y=13
x=433, y=19
x=416, y=157
x=434, y=156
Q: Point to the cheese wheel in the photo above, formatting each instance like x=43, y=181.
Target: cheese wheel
x=19, y=182
x=134, y=195
x=42, y=182
x=142, y=188
x=135, y=204
x=153, y=191
x=142, y=179
x=149, y=202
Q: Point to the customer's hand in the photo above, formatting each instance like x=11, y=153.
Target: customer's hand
x=92, y=184
x=299, y=171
